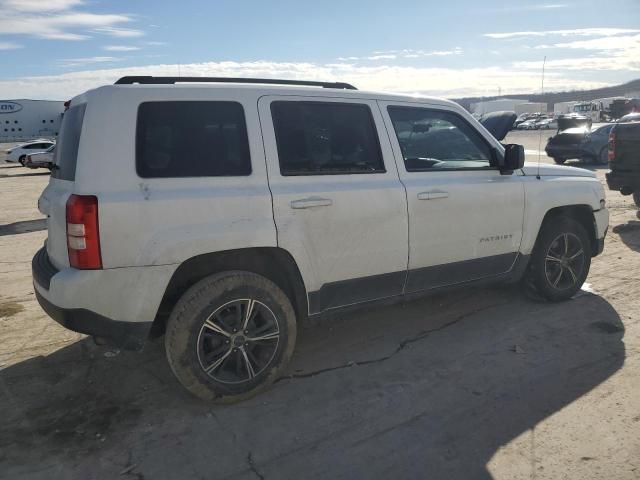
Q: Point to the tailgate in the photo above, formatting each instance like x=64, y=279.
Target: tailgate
x=627, y=146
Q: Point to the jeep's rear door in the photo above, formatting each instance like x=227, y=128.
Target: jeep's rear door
x=339, y=206
x=465, y=218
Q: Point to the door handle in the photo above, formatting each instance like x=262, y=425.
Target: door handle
x=432, y=195
x=311, y=202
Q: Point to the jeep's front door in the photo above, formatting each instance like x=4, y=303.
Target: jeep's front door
x=339, y=207
x=465, y=218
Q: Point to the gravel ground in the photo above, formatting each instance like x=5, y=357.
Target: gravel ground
x=477, y=384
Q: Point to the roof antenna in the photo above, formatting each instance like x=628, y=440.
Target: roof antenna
x=544, y=61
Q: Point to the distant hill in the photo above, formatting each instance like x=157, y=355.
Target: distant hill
x=556, y=97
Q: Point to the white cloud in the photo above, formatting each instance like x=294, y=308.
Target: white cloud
x=620, y=53
x=386, y=56
x=524, y=8
x=578, y=32
x=413, y=80
x=584, y=64
x=76, y=62
x=549, y=6
x=621, y=43
x=9, y=46
x=54, y=19
x=120, y=48
x=404, y=53
x=155, y=43
x=120, y=32
x=40, y=5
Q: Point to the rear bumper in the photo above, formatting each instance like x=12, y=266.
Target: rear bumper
x=623, y=181
x=118, y=305
x=125, y=335
x=567, y=151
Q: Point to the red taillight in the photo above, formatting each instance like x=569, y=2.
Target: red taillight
x=612, y=146
x=83, y=236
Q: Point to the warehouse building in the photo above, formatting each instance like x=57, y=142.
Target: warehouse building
x=27, y=119
x=498, y=105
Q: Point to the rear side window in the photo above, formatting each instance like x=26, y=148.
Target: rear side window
x=321, y=138
x=66, y=155
x=192, y=139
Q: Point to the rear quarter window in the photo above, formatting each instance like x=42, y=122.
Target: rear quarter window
x=192, y=139
x=66, y=156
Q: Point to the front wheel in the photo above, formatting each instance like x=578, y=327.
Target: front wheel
x=230, y=336
x=636, y=198
x=559, y=160
x=561, y=259
x=22, y=159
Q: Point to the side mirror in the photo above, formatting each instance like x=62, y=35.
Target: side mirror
x=513, y=159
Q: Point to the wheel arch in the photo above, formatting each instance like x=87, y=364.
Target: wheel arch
x=582, y=214
x=274, y=263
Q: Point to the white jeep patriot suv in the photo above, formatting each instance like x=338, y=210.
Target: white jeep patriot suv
x=225, y=211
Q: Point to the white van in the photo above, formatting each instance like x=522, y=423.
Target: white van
x=224, y=212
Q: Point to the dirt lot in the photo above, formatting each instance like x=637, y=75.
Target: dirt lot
x=473, y=385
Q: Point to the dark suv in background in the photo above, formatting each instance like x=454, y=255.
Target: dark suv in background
x=576, y=139
x=624, y=156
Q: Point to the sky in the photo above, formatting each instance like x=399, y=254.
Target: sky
x=55, y=49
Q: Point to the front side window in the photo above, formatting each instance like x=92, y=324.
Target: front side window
x=326, y=138
x=192, y=139
x=432, y=140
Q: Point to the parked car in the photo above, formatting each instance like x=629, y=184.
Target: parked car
x=624, y=157
x=590, y=145
x=528, y=124
x=521, y=118
x=19, y=152
x=225, y=214
x=41, y=159
x=547, y=124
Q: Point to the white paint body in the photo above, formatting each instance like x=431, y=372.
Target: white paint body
x=371, y=224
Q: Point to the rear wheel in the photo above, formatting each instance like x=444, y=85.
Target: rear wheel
x=636, y=198
x=561, y=259
x=230, y=336
x=559, y=160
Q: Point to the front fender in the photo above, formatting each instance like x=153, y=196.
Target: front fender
x=548, y=193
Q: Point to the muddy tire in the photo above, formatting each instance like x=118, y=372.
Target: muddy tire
x=230, y=336
x=636, y=198
x=560, y=260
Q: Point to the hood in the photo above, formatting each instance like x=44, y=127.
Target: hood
x=498, y=123
x=546, y=170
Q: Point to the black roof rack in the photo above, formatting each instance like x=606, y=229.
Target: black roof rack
x=149, y=80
